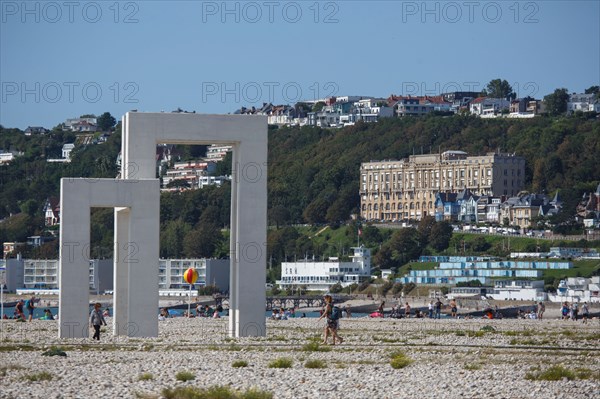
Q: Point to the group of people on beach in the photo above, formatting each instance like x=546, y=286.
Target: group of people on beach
x=571, y=311
x=29, y=305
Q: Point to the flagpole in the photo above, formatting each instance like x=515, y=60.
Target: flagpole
x=189, y=301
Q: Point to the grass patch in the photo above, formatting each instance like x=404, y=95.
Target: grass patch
x=554, y=373
x=239, y=363
x=399, y=360
x=216, y=392
x=41, y=376
x=281, y=363
x=473, y=366
x=315, y=347
x=529, y=342
x=558, y=373
x=145, y=377
x=315, y=364
x=185, y=376
x=487, y=328
x=4, y=369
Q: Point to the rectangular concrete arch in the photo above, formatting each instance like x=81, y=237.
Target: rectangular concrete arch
x=248, y=136
x=135, y=256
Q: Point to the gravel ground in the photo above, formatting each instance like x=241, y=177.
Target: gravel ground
x=450, y=359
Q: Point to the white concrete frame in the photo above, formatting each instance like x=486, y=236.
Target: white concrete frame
x=135, y=255
x=248, y=136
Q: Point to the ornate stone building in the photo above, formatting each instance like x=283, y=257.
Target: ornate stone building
x=406, y=189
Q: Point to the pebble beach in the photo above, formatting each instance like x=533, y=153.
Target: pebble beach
x=449, y=358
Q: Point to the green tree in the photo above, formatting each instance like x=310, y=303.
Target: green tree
x=29, y=207
x=171, y=238
x=106, y=122
x=593, y=90
x=556, y=103
x=202, y=241
x=405, y=245
x=440, y=235
x=384, y=257
x=318, y=106
x=279, y=215
x=424, y=227
x=499, y=88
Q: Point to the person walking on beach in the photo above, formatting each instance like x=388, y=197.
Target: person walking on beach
x=30, y=305
x=438, y=308
x=407, y=310
x=453, y=308
x=430, y=309
x=541, y=308
x=585, y=312
x=96, y=320
x=332, y=321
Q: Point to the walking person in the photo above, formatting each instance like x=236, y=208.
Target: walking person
x=407, y=310
x=541, y=308
x=430, y=309
x=438, y=308
x=453, y=308
x=96, y=320
x=332, y=321
x=585, y=312
x=30, y=306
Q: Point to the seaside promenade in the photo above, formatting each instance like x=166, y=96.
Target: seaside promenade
x=451, y=358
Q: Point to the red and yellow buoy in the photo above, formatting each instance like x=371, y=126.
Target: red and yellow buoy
x=190, y=275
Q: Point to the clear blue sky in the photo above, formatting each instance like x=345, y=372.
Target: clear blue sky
x=63, y=59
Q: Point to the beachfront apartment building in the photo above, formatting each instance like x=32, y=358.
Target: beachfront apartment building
x=210, y=272
x=320, y=276
x=393, y=190
x=42, y=274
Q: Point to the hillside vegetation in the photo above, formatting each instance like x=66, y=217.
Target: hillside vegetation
x=313, y=178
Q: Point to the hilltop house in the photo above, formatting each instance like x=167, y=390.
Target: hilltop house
x=52, y=211
x=583, y=103
x=488, y=107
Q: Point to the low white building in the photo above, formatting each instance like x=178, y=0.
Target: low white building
x=518, y=290
x=488, y=107
x=320, y=276
x=210, y=272
x=577, y=289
